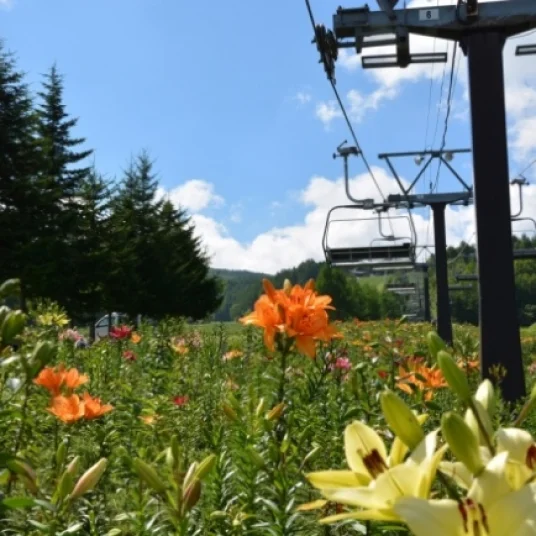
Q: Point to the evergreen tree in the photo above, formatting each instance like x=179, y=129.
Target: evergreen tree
x=92, y=255
x=183, y=285
x=60, y=185
x=19, y=164
x=134, y=223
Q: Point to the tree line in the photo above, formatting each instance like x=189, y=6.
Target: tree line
x=352, y=298
x=90, y=243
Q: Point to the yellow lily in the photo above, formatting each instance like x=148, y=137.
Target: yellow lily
x=491, y=508
x=372, y=484
x=366, y=456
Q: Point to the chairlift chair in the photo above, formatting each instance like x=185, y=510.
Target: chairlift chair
x=384, y=252
x=522, y=253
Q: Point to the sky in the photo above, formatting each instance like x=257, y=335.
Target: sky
x=231, y=103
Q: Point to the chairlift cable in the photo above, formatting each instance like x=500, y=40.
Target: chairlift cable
x=344, y=113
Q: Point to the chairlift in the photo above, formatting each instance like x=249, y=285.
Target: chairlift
x=523, y=253
x=459, y=288
x=384, y=252
x=466, y=277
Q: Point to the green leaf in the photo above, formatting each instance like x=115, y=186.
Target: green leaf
x=18, y=502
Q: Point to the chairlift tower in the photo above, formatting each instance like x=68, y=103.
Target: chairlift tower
x=438, y=203
x=481, y=28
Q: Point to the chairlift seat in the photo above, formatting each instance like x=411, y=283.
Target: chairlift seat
x=371, y=256
x=524, y=253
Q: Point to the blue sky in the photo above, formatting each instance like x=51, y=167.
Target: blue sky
x=230, y=101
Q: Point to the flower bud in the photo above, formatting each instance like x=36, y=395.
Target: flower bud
x=462, y=442
x=402, y=421
x=43, y=353
x=435, y=343
x=65, y=485
x=148, y=475
x=12, y=326
x=89, y=479
x=229, y=411
x=260, y=408
x=205, y=467
x=275, y=412
x=3, y=313
x=191, y=495
x=190, y=474
x=485, y=394
x=61, y=453
x=72, y=468
x=455, y=377
x=472, y=422
x=287, y=287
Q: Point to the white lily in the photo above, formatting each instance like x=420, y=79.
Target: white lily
x=491, y=508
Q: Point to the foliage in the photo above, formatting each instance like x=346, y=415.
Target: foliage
x=118, y=247
x=205, y=432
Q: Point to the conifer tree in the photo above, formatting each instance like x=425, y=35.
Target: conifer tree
x=134, y=224
x=91, y=251
x=60, y=184
x=19, y=163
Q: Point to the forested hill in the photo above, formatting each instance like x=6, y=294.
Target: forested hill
x=242, y=288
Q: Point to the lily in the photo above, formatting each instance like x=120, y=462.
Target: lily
x=490, y=508
x=376, y=481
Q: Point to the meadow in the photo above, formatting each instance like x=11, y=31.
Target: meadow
x=204, y=430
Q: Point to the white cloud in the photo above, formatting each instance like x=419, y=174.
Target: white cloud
x=6, y=4
x=235, y=214
x=287, y=246
x=303, y=97
x=194, y=195
x=327, y=112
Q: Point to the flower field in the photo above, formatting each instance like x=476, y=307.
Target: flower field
x=282, y=424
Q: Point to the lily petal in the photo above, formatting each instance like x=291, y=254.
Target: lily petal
x=338, y=479
x=362, y=515
x=440, y=518
x=359, y=441
x=514, y=513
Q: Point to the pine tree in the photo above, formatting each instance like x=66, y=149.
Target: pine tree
x=185, y=287
x=19, y=164
x=60, y=184
x=134, y=223
x=91, y=253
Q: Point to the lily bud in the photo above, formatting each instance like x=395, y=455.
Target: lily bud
x=229, y=411
x=61, y=453
x=455, y=377
x=148, y=475
x=205, y=467
x=65, y=485
x=3, y=313
x=43, y=353
x=190, y=474
x=191, y=495
x=12, y=326
x=472, y=422
x=89, y=479
x=485, y=394
x=275, y=412
x=72, y=468
x=287, y=287
x=435, y=343
x=260, y=408
x=402, y=421
x=462, y=442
